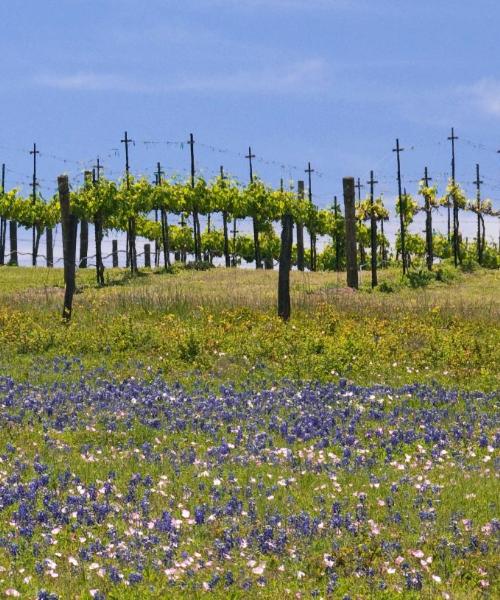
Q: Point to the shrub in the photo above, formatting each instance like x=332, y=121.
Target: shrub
x=419, y=278
x=200, y=265
x=445, y=273
x=174, y=268
x=491, y=258
x=469, y=265
x=385, y=287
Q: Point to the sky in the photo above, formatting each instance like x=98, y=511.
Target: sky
x=333, y=82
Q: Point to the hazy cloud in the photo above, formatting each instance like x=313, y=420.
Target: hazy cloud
x=88, y=81
x=486, y=94
x=300, y=77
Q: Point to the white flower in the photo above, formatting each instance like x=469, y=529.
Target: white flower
x=12, y=592
x=217, y=481
x=259, y=570
x=327, y=559
x=72, y=561
x=436, y=578
x=186, y=514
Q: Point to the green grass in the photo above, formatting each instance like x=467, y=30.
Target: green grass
x=221, y=325
x=213, y=327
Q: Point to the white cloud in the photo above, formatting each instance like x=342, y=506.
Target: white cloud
x=300, y=77
x=486, y=94
x=87, y=81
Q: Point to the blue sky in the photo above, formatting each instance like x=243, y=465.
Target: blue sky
x=333, y=82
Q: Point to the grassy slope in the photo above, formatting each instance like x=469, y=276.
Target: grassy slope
x=221, y=325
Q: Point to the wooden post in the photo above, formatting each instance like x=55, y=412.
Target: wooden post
x=373, y=231
x=99, y=266
x=227, y=257
x=428, y=225
x=3, y=223
x=114, y=252
x=3, y=236
x=13, y=243
x=402, y=231
x=147, y=256
x=312, y=234
x=480, y=248
x=49, y=247
x=300, y=231
x=84, y=243
x=284, y=307
x=350, y=232
x=84, y=228
x=69, y=229
x=165, y=238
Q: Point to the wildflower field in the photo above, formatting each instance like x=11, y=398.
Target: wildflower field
x=177, y=440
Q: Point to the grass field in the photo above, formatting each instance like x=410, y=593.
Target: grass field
x=220, y=326
x=177, y=440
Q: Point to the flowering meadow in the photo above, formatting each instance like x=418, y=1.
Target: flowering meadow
x=113, y=488
x=178, y=440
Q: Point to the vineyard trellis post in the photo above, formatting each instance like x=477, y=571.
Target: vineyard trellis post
x=300, y=230
x=35, y=231
x=98, y=168
x=131, y=248
x=84, y=228
x=255, y=220
x=235, y=231
x=312, y=233
x=480, y=220
x=429, y=251
x=227, y=257
x=398, y=151
x=350, y=232
x=49, y=247
x=3, y=223
x=282, y=189
x=373, y=230
x=147, y=256
x=196, y=221
x=98, y=227
x=98, y=233
x=69, y=224
x=157, y=245
x=164, y=221
x=284, y=305
x=114, y=253
x=362, y=256
x=13, y=243
x=455, y=240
